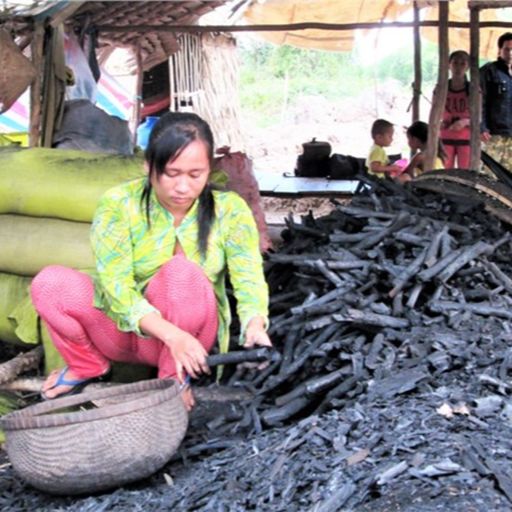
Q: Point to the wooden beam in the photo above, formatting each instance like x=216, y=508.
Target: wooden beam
x=24, y=41
x=35, y=88
x=475, y=98
x=65, y=13
x=290, y=26
x=442, y=87
x=416, y=93
x=488, y=4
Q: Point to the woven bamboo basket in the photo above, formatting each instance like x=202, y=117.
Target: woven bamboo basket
x=131, y=433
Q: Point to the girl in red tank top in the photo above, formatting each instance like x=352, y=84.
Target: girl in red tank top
x=455, y=126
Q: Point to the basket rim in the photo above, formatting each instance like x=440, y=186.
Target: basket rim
x=29, y=417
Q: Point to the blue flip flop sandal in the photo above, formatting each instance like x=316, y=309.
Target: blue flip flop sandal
x=77, y=384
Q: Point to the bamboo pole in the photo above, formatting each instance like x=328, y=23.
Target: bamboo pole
x=36, y=86
x=138, y=89
x=441, y=91
x=475, y=98
x=172, y=88
x=416, y=93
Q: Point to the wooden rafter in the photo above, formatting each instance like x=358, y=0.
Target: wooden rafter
x=489, y=4
x=291, y=26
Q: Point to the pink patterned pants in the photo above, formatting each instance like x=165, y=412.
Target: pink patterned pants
x=88, y=339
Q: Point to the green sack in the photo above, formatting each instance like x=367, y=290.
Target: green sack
x=31, y=243
x=19, y=322
x=13, y=291
x=66, y=184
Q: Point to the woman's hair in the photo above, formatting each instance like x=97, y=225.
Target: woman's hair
x=173, y=132
x=459, y=53
x=419, y=130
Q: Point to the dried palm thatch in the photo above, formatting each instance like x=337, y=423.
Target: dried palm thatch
x=219, y=102
x=204, y=78
x=128, y=24
x=17, y=71
x=124, y=23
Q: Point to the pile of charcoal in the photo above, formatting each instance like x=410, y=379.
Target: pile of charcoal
x=393, y=318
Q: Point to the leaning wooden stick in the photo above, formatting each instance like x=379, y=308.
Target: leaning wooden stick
x=19, y=364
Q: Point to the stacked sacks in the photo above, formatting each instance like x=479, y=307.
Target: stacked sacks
x=47, y=202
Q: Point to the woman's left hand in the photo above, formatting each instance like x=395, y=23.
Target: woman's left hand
x=256, y=334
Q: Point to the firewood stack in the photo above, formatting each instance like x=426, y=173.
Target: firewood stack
x=373, y=299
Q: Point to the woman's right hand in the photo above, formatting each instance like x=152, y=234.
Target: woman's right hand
x=187, y=351
x=189, y=355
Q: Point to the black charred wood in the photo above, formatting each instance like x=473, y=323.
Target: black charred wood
x=501, y=277
x=414, y=295
x=434, y=247
x=371, y=319
x=410, y=239
x=467, y=255
x=402, y=382
x=408, y=273
x=313, y=386
x=276, y=415
x=401, y=220
x=480, y=309
x=437, y=268
x=244, y=356
x=275, y=380
x=340, y=390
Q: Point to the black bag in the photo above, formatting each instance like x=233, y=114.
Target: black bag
x=344, y=167
x=314, y=162
x=316, y=168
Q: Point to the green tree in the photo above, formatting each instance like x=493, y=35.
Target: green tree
x=274, y=75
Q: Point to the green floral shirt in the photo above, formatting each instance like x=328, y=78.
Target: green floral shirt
x=128, y=254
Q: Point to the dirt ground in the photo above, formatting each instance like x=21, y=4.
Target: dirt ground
x=277, y=209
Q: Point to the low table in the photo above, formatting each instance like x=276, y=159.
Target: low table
x=283, y=185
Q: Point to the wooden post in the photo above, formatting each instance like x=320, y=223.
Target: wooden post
x=35, y=88
x=416, y=91
x=441, y=91
x=138, y=87
x=475, y=98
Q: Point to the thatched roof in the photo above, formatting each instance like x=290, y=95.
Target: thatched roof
x=132, y=23
x=120, y=23
x=111, y=17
